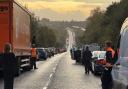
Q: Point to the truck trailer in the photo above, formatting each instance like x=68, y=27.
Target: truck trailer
x=15, y=29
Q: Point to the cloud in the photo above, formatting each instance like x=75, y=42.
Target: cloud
x=88, y=1
x=63, y=9
x=53, y=15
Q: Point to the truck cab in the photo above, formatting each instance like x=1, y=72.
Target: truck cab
x=120, y=69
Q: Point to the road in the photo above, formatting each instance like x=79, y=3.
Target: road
x=71, y=38
x=59, y=72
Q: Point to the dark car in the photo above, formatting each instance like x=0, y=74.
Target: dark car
x=98, y=61
x=42, y=54
x=76, y=54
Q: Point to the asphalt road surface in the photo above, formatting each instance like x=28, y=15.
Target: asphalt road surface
x=58, y=72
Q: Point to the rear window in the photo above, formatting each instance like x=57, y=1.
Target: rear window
x=95, y=54
x=102, y=55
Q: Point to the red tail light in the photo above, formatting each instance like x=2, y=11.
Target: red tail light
x=101, y=61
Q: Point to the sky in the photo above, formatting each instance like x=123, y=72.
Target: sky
x=65, y=10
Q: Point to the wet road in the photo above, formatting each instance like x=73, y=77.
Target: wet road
x=59, y=72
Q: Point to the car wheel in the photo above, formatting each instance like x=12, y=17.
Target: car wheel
x=94, y=71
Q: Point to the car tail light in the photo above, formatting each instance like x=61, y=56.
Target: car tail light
x=101, y=61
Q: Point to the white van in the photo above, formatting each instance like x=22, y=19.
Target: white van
x=120, y=69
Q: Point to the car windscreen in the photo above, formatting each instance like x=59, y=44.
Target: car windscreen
x=102, y=55
x=95, y=54
x=40, y=50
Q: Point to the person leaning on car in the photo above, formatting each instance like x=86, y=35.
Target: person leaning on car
x=106, y=77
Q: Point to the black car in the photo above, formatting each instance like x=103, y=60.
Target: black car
x=42, y=54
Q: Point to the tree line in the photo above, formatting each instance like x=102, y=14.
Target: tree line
x=45, y=36
x=105, y=25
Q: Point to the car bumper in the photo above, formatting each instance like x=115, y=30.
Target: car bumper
x=99, y=68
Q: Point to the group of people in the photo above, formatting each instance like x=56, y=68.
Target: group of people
x=9, y=64
x=111, y=57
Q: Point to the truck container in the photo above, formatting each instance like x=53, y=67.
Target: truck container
x=15, y=29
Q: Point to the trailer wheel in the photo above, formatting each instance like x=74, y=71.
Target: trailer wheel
x=27, y=68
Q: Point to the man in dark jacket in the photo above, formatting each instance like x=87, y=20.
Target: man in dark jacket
x=106, y=77
x=9, y=66
x=87, y=55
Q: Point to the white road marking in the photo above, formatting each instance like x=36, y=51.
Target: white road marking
x=45, y=87
x=51, y=75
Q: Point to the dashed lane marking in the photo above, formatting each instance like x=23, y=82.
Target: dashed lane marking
x=51, y=75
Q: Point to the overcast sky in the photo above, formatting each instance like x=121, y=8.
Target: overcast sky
x=64, y=9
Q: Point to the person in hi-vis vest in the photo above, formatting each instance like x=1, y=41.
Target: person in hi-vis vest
x=33, y=57
x=106, y=77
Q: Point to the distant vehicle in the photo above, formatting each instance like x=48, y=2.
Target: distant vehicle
x=76, y=54
x=72, y=53
x=49, y=53
x=92, y=47
x=62, y=50
x=15, y=29
x=98, y=61
x=120, y=69
x=41, y=53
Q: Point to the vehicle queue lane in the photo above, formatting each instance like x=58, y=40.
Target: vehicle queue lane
x=37, y=79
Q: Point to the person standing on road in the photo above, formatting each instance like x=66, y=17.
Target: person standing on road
x=9, y=66
x=33, y=57
x=106, y=77
x=87, y=55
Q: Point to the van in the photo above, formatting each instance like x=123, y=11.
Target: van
x=120, y=69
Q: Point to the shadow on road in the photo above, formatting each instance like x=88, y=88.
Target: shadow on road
x=77, y=64
x=98, y=75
